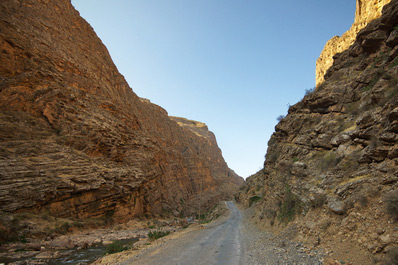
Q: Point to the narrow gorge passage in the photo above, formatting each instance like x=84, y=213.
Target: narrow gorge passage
x=220, y=243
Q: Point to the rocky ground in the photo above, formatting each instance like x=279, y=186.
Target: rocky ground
x=269, y=249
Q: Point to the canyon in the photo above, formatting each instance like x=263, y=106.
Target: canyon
x=330, y=173
x=79, y=148
x=77, y=142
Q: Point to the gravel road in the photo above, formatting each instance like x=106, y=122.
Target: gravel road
x=231, y=240
x=218, y=243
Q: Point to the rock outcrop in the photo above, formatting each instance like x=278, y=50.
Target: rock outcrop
x=75, y=141
x=331, y=169
x=366, y=11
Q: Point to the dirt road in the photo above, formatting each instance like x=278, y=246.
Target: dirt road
x=219, y=243
x=230, y=240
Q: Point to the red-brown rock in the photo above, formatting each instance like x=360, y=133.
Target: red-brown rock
x=74, y=138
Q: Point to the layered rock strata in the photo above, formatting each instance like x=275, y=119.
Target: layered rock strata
x=331, y=168
x=366, y=11
x=76, y=141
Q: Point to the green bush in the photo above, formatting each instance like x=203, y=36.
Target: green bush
x=254, y=199
x=289, y=207
x=153, y=235
x=116, y=247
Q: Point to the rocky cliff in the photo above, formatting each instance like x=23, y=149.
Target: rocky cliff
x=330, y=177
x=366, y=11
x=75, y=141
x=214, y=155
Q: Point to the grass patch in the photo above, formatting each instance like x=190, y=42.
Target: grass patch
x=153, y=235
x=254, y=199
x=116, y=247
x=289, y=206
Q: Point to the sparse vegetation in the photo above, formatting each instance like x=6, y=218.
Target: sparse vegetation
x=289, y=207
x=153, y=235
x=280, y=117
x=391, y=201
x=116, y=247
x=254, y=199
x=309, y=91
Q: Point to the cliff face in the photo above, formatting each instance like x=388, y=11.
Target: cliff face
x=76, y=141
x=331, y=166
x=214, y=155
x=366, y=11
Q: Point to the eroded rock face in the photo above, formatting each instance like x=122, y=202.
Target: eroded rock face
x=366, y=11
x=332, y=161
x=76, y=141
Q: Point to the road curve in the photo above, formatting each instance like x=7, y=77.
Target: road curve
x=217, y=244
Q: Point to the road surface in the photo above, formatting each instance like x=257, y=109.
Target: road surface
x=219, y=243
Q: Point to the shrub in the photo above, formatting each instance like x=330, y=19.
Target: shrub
x=280, y=117
x=289, y=206
x=116, y=247
x=391, y=201
x=309, y=91
x=253, y=199
x=153, y=235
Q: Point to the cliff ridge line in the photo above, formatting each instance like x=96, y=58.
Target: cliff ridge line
x=366, y=11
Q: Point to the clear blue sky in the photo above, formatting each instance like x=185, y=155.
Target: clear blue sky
x=235, y=65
